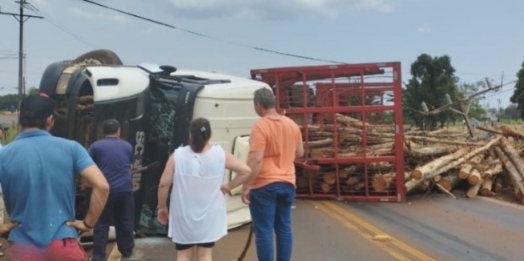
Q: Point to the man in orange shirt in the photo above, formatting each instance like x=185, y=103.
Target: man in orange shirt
x=275, y=142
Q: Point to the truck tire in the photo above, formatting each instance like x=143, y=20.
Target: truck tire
x=102, y=55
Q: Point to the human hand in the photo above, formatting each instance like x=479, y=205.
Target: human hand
x=245, y=196
x=79, y=226
x=162, y=216
x=5, y=229
x=225, y=189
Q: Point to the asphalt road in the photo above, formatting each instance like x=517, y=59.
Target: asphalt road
x=433, y=227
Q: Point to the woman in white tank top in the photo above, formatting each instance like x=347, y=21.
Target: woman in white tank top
x=197, y=209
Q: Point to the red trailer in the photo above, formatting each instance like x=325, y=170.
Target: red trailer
x=351, y=120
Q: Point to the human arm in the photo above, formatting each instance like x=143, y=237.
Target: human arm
x=299, y=152
x=100, y=192
x=254, y=162
x=6, y=228
x=257, y=145
x=163, y=189
x=240, y=168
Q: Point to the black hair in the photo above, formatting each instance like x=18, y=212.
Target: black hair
x=110, y=126
x=200, y=130
x=31, y=123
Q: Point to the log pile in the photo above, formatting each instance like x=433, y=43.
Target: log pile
x=442, y=160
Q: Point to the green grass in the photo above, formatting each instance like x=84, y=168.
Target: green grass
x=10, y=134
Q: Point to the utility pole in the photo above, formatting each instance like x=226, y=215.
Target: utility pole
x=464, y=109
x=21, y=19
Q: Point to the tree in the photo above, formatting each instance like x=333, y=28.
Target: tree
x=518, y=94
x=33, y=90
x=432, y=78
x=512, y=112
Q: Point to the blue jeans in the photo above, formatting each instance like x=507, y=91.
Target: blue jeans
x=270, y=209
x=120, y=208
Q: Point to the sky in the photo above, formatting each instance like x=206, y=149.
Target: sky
x=483, y=38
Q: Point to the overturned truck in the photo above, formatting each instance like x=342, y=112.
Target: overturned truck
x=154, y=105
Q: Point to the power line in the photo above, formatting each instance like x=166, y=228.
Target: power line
x=21, y=17
x=65, y=29
x=210, y=37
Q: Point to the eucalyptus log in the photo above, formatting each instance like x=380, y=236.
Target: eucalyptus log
x=511, y=132
x=382, y=182
x=360, y=186
x=424, y=185
x=493, y=170
x=474, y=190
x=329, y=178
x=516, y=179
x=431, y=151
x=474, y=177
x=348, y=121
x=326, y=187
x=450, y=181
x=513, y=155
x=490, y=130
x=486, y=188
x=319, y=143
x=381, y=166
x=414, y=182
x=421, y=172
x=351, y=181
x=443, y=141
x=466, y=168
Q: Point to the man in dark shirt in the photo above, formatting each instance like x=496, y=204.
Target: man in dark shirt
x=114, y=156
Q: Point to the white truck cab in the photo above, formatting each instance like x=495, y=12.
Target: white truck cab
x=154, y=105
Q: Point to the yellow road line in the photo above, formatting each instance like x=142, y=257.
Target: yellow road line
x=377, y=231
x=359, y=231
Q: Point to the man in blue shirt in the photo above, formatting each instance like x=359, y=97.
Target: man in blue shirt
x=38, y=173
x=114, y=156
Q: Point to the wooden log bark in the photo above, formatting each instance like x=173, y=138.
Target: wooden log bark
x=474, y=177
x=516, y=179
x=346, y=120
x=414, y=182
x=474, y=190
x=511, y=132
x=319, y=143
x=329, y=178
x=492, y=171
x=486, y=188
x=421, y=172
x=351, y=181
x=426, y=139
x=513, y=155
x=450, y=181
x=424, y=185
x=431, y=151
x=326, y=188
x=382, y=182
x=381, y=166
x=466, y=168
x=360, y=186
x=490, y=130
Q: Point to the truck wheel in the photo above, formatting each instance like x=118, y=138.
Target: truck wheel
x=102, y=55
